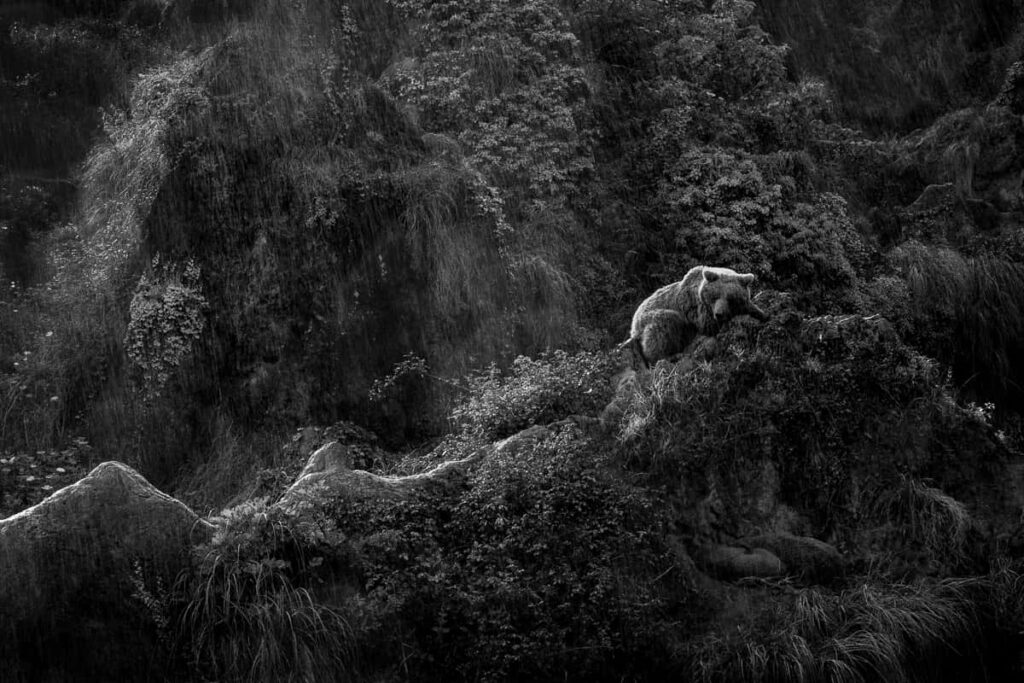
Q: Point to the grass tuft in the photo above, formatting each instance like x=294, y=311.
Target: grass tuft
x=246, y=615
x=893, y=633
x=936, y=520
x=969, y=313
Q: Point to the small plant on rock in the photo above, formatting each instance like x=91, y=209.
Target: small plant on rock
x=166, y=321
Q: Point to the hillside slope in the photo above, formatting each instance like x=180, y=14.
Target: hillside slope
x=423, y=226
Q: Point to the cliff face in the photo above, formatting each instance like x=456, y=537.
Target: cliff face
x=225, y=220
x=400, y=194
x=899, y=65
x=804, y=488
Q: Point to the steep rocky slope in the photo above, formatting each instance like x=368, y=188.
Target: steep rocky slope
x=291, y=214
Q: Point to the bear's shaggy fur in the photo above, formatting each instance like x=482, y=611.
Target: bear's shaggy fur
x=669, y=320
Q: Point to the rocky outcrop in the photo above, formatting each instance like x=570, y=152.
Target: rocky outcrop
x=67, y=565
x=842, y=333
x=804, y=557
x=733, y=562
x=92, y=529
x=329, y=475
x=937, y=197
x=769, y=555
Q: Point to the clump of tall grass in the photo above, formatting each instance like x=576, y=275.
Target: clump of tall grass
x=122, y=175
x=685, y=413
x=248, y=613
x=969, y=313
x=897, y=633
x=1006, y=598
x=444, y=241
x=937, y=521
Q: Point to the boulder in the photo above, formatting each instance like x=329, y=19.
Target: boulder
x=329, y=475
x=939, y=197
x=103, y=522
x=839, y=335
x=733, y=562
x=70, y=564
x=803, y=556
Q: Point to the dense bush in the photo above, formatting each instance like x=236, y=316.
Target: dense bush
x=561, y=577
x=534, y=391
x=726, y=161
x=805, y=402
x=549, y=568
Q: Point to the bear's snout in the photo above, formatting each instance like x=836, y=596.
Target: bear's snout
x=721, y=310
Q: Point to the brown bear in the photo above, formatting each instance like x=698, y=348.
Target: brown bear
x=698, y=305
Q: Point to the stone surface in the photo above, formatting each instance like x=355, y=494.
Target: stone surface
x=838, y=334
x=328, y=474
x=935, y=198
x=803, y=556
x=67, y=566
x=101, y=523
x=734, y=562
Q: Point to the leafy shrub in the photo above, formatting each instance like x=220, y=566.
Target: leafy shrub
x=791, y=115
x=550, y=567
x=559, y=580
x=803, y=400
x=165, y=322
x=402, y=568
x=814, y=248
x=717, y=76
x=727, y=210
x=889, y=297
x=722, y=205
x=723, y=51
x=513, y=67
x=535, y=391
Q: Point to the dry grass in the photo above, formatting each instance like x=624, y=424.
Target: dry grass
x=928, y=516
x=970, y=314
x=245, y=619
x=897, y=633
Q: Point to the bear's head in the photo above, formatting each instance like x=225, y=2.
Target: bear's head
x=725, y=294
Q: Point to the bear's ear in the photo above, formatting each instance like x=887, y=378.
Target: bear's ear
x=746, y=279
x=710, y=275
